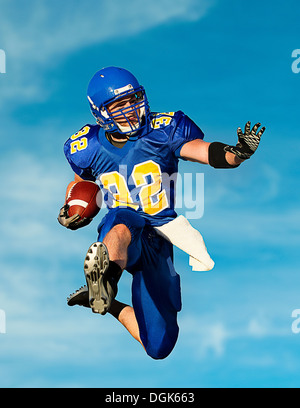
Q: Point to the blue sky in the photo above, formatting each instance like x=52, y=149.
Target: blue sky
x=221, y=62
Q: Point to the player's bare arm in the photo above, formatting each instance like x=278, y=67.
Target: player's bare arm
x=220, y=155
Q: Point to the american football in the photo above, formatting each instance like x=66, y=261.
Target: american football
x=83, y=199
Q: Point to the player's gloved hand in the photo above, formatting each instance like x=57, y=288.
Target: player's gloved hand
x=247, y=142
x=72, y=223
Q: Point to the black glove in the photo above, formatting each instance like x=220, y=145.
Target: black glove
x=247, y=142
x=74, y=222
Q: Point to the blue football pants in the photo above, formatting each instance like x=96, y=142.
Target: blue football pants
x=156, y=295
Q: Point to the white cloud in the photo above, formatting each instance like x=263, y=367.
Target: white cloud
x=55, y=27
x=250, y=205
x=264, y=182
x=206, y=335
x=41, y=264
x=215, y=338
x=257, y=329
x=32, y=242
x=36, y=33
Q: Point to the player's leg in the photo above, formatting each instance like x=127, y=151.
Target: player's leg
x=156, y=296
x=126, y=316
x=118, y=237
x=155, y=289
x=114, y=232
x=117, y=241
x=121, y=311
x=121, y=230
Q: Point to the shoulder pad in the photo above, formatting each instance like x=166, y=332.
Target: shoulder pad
x=79, y=146
x=160, y=120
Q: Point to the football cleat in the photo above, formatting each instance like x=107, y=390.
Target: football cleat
x=102, y=276
x=80, y=297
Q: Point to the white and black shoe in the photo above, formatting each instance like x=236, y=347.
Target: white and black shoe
x=102, y=276
x=80, y=297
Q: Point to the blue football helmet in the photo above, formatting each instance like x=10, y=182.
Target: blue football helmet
x=109, y=85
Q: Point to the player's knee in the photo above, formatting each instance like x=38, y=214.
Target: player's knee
x=160, y=349
x=122, y=231
x=124, y=222
x=159, y=353
x=128, y=218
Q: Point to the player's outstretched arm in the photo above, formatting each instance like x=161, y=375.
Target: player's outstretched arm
x=220, y=155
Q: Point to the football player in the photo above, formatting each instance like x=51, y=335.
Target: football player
x=133, y=153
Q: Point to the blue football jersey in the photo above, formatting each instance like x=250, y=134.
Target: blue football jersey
x=140, y=175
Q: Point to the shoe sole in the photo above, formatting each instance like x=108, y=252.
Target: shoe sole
x=95, y=266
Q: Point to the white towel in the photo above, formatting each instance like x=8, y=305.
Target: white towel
x=181, y=234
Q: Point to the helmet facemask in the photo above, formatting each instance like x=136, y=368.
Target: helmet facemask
x=126, y=113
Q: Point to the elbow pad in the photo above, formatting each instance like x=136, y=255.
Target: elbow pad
x=216, y=156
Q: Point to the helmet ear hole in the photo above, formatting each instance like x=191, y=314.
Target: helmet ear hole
x=139, y=95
